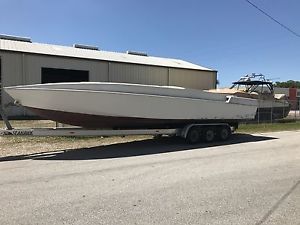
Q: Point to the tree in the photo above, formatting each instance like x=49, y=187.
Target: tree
x=288, y=84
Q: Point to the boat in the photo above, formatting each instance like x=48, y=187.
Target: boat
x=271, y=106
x=123, y=105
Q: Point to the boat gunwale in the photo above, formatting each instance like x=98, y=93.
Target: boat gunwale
x=138, y=94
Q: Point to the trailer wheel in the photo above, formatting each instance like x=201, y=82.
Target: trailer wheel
x=193, y=135
x=157, y=136
x=224, y=133
x=209, y=134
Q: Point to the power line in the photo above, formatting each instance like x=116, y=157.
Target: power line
x=276, y=21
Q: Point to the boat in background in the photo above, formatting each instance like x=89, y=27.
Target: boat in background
x=124, y=105
x=271, y=106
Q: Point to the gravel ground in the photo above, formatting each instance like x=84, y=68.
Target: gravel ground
x=12, y=146
x=25, y=145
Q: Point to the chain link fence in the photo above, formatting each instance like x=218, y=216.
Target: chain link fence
x=272, y=112
x=295, y=110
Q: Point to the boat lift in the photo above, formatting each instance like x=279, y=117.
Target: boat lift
x=192, y=133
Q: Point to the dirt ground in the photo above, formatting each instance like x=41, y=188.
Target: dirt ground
x=12, y=146
x=26, y=145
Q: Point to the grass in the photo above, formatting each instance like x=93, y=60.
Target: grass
x=269, y=127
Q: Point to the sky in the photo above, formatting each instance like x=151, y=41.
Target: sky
x=229, y=36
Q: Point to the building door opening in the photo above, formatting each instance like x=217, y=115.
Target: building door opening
x=54, y=75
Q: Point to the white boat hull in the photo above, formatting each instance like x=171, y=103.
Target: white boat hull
x=104, y=102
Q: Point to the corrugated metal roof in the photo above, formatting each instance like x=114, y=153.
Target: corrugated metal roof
x=57, y=50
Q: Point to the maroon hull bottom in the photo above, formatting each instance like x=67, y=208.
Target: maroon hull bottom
x=100, y=122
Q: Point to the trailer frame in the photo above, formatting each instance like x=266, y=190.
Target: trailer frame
x=192, y=133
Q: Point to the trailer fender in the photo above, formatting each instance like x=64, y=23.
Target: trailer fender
x=185, y=130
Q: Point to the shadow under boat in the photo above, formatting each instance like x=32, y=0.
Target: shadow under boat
x=135, y=148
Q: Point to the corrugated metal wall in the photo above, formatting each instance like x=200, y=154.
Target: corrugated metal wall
x=140, y=74
x=12, y=74
x=98, y=71
x=19, y=68
x=192, y=78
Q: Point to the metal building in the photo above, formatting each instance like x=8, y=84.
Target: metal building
x=24, y=62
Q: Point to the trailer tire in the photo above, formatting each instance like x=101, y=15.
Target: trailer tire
x=157, y=136
x=224, y=133
x=193, y=136
x=209, y=134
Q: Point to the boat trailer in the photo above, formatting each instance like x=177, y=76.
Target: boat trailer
x=192, y=133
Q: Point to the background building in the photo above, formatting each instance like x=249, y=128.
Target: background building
x=24, y=62
x=293, y=95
